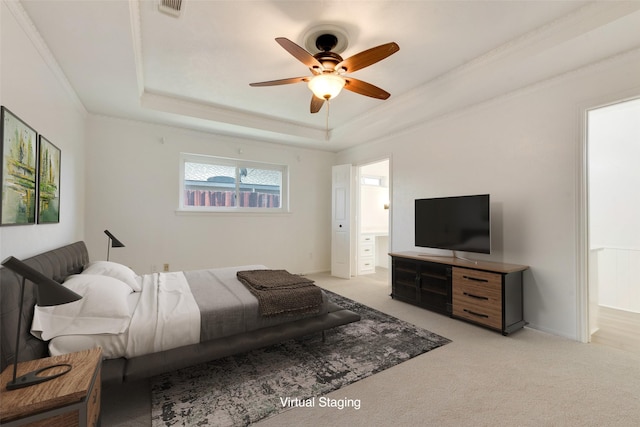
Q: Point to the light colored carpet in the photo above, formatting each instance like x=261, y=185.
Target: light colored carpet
x=529, y=378
x=482, y=378
x=245, y=388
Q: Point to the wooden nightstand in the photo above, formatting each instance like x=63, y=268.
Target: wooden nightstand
x=70, y=400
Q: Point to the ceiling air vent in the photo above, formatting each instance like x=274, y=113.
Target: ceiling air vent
x=170, y=7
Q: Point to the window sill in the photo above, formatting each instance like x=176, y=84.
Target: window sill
x=230, y=212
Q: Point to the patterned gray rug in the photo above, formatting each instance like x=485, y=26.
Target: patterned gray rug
x=240, y=390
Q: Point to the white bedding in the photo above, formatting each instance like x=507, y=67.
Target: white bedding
x=162, y=316
x=167, y=315
x=102, y=309
x=171, y=310
x=113, y=345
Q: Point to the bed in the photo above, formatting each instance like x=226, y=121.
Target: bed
x=216, y=329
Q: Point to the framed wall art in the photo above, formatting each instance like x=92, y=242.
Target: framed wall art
x=48, y=182
x=18, y=170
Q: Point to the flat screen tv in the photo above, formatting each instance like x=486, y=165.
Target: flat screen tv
x=460, y=223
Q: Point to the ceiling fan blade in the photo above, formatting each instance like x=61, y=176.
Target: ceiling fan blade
x=316, y=104
x=280, y=82
x=299, y=53
x=364, y=88
x=368, y=57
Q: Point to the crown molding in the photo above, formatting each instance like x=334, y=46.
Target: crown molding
x=136, y=38
x=409, y=126
x=449, y=94
x=576, y=23
x=225, y=118
x=27, y=25
x=221, y=119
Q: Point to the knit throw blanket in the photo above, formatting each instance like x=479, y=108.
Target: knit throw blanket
x=281, y=293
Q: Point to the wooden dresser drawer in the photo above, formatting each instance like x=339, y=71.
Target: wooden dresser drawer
x=477, y=296
x=464, y=276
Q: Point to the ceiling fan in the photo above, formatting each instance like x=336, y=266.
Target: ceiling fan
x=329, y=69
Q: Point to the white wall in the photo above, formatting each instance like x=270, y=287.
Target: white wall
x=31, y=89
x=373, y=216
x=614, y=204
x=523, y=149
x=614, y=180
x=132, y=190
x=617, y=278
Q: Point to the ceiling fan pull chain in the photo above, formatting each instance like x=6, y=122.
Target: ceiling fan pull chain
x=327, y=121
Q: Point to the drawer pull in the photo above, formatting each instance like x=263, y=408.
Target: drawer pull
x=475, y=296
x=476, y=314
x=475, y=279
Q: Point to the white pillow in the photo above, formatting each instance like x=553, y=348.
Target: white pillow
x=103, y=309
x=115, y=270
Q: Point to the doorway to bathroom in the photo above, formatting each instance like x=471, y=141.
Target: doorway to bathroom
x=613, y=179
x=373, y=216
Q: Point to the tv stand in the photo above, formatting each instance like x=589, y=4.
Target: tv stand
x=455, y=255
x=488, y=294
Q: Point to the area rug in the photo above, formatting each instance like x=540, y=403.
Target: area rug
x=242, y=389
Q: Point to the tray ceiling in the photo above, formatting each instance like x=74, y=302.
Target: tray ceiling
x=128, y=59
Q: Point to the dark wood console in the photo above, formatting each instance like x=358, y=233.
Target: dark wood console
x=488, y=294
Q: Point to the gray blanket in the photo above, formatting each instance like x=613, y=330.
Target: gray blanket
x=227, y=307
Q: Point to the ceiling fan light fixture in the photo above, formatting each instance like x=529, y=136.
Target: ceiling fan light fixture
x=326, y=86
x=327, y=68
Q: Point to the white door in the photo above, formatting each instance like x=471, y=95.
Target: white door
x=340, y=221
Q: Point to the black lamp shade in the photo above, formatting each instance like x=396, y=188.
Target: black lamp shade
x=48, y=295
x=115, y=243
x=48, y=292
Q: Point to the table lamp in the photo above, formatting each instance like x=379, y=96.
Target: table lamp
x=48, y=293
x=112, y=242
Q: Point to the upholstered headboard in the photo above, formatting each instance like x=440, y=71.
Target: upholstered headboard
x=56, y=264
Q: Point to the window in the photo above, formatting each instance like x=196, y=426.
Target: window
x=371, y=180
x=220, y=184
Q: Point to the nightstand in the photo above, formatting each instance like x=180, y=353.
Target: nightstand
x=72, y=399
